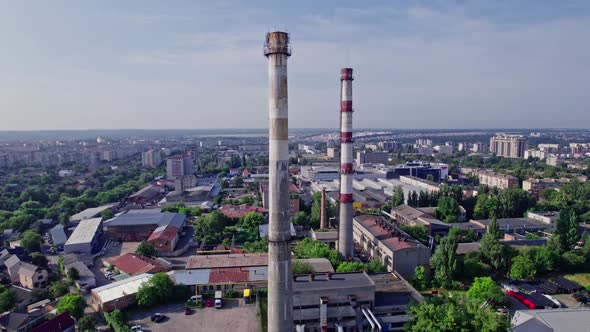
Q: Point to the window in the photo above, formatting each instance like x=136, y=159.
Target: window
x=40, y=277
x=218, y=287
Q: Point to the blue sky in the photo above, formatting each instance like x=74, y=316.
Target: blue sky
x=193, y=64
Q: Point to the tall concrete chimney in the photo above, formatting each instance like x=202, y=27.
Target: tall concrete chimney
x=280, y=302
x=345, y=246
x=323, y=221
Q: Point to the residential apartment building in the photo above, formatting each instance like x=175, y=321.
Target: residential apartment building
x=535, y=186
x=179, y=165
x=151, y=158
x=383, y=240
x=509, y=146
x=492, y=179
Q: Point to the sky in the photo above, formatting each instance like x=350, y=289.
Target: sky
x=199, y=64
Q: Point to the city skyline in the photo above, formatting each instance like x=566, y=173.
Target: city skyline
x=424, y=65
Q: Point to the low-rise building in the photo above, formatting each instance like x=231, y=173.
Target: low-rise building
x=85, y=236
x=118, y=295
x=535, y=186
x=492, y=179
x=32, y=276
x=551, y=320
x=138, y=225
x=92, y=212
x=133, y=264
x=411, y=216
x=515, y=225
x=58, y=236
x=60, y=323
x=381, y=239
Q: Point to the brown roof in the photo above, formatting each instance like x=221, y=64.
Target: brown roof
x=392, y=238
x=27, y=269
x=239, y=211
x=134, y=264
x=229, y=260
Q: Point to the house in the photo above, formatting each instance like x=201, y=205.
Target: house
x=17, y=321
x=58, y=236
x=87, y=278
x=134, y=264
x=32, y=276
x=60, y=323
x=164, y=238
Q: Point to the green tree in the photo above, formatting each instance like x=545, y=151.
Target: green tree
x=451, y=314
x=420, y=281
x=31, y=241
x=491, y=248
x=300, y=219
x=107, y=214
x=73, y=274
x=351, y=267
x=444, y=259
x=160, y=290
x=39, y=259
x=73, y=304
x=309, y=248
x=523, y=267
x=146, y=249
x=117, y=320
x=58, y=288
x=484, y=288
x=6, y=299
x=398, y=197
x=376, y=266
x=300, y=267
x=448, y=209
x=86, y=324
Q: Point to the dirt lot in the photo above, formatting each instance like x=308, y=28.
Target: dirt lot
x=231, y=318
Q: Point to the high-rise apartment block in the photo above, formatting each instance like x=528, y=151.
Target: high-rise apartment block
x=509, y=146
x=179, y=165
x=151, y=158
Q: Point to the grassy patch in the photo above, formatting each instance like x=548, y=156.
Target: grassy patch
x=581, y=278
x=263, y=311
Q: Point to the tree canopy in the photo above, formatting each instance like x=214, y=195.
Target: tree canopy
x=73, y=304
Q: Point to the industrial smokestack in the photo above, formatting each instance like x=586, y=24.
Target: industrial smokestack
x=345, y=225
x=280, y=303
x=323, y=221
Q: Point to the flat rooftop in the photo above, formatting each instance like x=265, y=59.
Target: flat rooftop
x=121, y=288
x=91, y=212
x=85, y=231
x=147, y=217
x=322, y=282
x=227, y=260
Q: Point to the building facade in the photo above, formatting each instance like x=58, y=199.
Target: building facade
x=509, y=146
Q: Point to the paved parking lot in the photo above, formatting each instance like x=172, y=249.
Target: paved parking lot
x=231, y=318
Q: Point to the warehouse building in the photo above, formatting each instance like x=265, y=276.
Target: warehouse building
x=139, y=225
x=92, y=212
x=118, y=295
x=85, y=236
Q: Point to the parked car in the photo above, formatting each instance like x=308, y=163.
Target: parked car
x=209, y=303
x=187, y=311
x=158, y=317
x=136, y=328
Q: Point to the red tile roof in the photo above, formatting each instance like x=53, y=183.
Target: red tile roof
x=166, y=234
x=229, y=275
x=134, y=264
x=239, y=211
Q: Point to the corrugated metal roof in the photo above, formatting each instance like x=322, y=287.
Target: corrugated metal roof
x=58, y=235
x=91, y=212
x=229, y=260
x=148, y=218
x=229, y=275
x=258, y=273
x=121, y=288
x=85, y=231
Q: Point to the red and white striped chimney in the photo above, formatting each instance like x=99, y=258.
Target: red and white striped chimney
x=345, y=246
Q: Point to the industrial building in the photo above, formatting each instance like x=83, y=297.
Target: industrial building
x=118, y=295
x=381, y=239
x=349, y=301
x=411, y=216
x=420, y=169
x=92, y=212
x=551, y=320
x=85, y=237
x=367, y=157
x=138, y=225
x=509, y=146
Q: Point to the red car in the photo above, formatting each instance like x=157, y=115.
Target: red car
x=209, y=303
x=187, y=311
